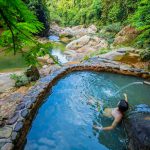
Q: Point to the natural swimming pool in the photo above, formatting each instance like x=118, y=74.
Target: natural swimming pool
x=65, y=120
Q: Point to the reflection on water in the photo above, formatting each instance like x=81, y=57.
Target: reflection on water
x=64, y=121
x=58, y=49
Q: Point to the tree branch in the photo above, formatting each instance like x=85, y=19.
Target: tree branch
x=10, y=28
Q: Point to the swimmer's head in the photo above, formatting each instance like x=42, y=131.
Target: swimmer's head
x=123, y=105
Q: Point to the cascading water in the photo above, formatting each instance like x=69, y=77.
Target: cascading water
x=57, y=50
x=128, y=85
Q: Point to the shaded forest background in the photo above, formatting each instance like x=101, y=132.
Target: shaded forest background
x=111, y=13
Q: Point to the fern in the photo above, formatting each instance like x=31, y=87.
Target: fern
x=20, y=25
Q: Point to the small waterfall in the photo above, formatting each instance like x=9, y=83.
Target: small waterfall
x=61, y=57
x=124, y=87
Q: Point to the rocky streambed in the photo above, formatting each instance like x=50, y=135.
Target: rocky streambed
x=19, y=105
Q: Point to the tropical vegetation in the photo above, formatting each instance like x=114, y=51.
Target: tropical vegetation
x=23, y=20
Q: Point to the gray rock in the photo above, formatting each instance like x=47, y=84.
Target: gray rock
x=2, y=123
x=5, y=132
x=5, y=140
x=33, y=100
x=24, y=113
x=13, y=119
x=124, y=68
x=137, y=124
x=14, y=135
x=86, y=43
x=29, y=105
x=2, y=144
x=18, y=126
x=126, y=35
x=20, y=106
x=7, y=146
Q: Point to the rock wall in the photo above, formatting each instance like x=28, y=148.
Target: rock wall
x=137, y=124
x=126, y=35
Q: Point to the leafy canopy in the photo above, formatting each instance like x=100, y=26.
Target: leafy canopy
x=20, y=25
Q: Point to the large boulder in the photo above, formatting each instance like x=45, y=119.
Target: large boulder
x=76, y=44
x=76, y=31
x=32, y=73
x=137, y=125
x=126, y=35
x=55, y=28
x=44, y=60
x=87, y=43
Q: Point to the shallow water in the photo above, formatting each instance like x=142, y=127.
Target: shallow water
x=65, y=120
x=10, y=62
x=58, y=49
x=54, y=38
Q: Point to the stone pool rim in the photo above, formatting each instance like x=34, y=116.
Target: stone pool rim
x=19, y=123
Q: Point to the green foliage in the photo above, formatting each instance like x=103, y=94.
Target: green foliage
x=70, y=13
x=96, y=53
x=99, y=12
x=141, y=20
x=20, y=25
x=101, y=51
x=40, y=10
x=20, y=80
x=114, y=27
x=145, y=54
x=108, y=32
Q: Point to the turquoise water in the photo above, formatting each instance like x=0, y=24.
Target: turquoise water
x=65, y=120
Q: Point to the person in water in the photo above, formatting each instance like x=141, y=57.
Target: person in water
x=117, y=113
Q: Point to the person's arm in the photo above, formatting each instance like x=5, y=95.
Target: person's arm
x=114, y=124
x=125, y=96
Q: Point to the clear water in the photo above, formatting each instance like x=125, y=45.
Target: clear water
x=65, y=120
x=58, y=49
x=54, y=38
x=10, y=62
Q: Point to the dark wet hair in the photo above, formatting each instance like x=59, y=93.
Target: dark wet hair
x=123, y=105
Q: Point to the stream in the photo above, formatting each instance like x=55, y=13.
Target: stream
x=58, y=49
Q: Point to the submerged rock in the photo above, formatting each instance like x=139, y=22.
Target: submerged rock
x=137, y=125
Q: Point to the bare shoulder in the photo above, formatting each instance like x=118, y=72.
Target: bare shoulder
x=117, y=114
x=107, y=112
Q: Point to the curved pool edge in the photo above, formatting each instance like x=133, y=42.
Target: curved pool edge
x=27, y=109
